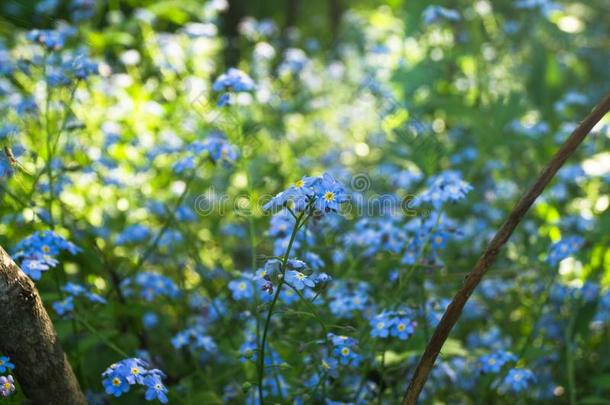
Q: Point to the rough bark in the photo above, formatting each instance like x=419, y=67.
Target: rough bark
x=454, y=310
x=27, y=336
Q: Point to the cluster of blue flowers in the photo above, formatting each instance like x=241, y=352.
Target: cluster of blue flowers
x=346, y=299
x=7, y=383
x=323, y=193
x=151, y=285
x=517, y=380
x=73, y=291
x=38, y=252
x=215, y=146
x=435, y=13
x=280, y=230
x=447, y=186
x=53, y=40
x=493, y=363
x=61, y=69
x=564, y=248
x=133, y=234
x=343, y=350
x=398, y=324
x=195, y=338
x=233, y=81
x=119, y=378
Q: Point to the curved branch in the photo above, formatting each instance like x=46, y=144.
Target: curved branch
x=27, y=336
x=454, y=310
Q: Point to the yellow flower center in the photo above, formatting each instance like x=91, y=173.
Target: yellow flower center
x=116, y=382
x=242, y=286
x=401, y=327
x=517, y=377
x=46, y=249
x=7, y=386
x=492, y=362
x=329, y=196
x=345, y=351
x=299, y=183
x=300, y=276
x=325, y=365
x=380, y=325
x=135, y=371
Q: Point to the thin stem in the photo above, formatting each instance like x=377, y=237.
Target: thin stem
x=261, y=365
x=312, y=309
x=170, y=217
x=539, y=310
x=47, y=120
x=570, y=358
x=104, y=340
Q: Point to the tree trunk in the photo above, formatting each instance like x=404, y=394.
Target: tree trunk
x=230, y=30
x=27, y=336
x=335, y=14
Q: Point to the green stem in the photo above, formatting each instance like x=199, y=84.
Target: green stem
x=168, y=222
x=313, y=311
x=570, y=359
x=261, y=363
x=48, y=165
x=104, y=340
x=539, y=310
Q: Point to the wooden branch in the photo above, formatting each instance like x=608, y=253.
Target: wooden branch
x=27, y=336
x=454, y=310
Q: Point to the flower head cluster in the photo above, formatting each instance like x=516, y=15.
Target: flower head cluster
x=447, y=186
x=38, y=252
x=296, y=277
x=242, y=288
x=133, y=234
x=294, y=61
x=392, y=323
x=375, y=235
x=7, y=384
x=5, y=364
x=493, y=363
x=151, y=286
x=74, y=290
x=517, y=380
x=435, y=308
x=323, y=193
x=51, y=39
x=280, y=228
x=345, y=298
x=215, y=145
x=234, y=80
x=435, y=13
x=194, y=337
x=119, y=378
x=343, y=349
x=564, y=248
